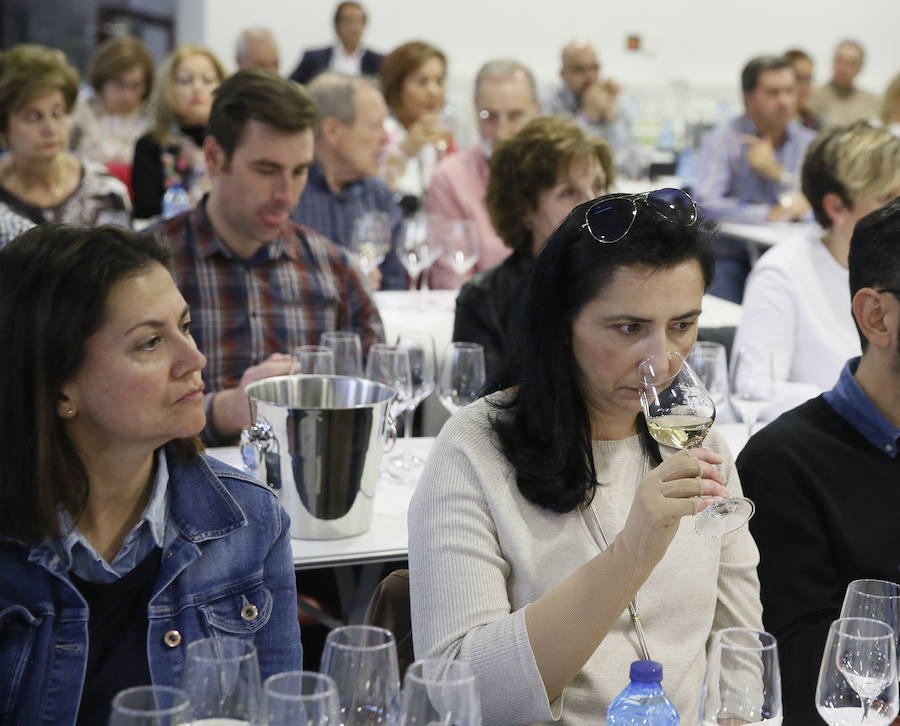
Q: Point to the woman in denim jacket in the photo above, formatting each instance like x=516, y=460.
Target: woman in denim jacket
x=119, y=543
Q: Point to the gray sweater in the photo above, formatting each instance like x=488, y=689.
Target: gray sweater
x=479, y=553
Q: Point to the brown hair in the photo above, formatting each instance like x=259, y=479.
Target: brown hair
x=531, y=161
x=117, y=55
x=890, y=104
x=29, y=71
x=163, y=102
x=258, y=95
x=347, y=4
x=400, y=63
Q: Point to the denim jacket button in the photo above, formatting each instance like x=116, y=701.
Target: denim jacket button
x=249, y=613
x=172, y=638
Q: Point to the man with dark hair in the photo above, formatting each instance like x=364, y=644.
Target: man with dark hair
x=824, y=476
x=257, y=283
x=840, y=102
x=347, y=55
x=749, y=167
x=343, y=181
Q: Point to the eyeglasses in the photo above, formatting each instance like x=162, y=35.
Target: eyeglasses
x=610, y=219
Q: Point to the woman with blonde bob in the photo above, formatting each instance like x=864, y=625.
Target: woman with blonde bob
x=171, y=153
x=111, y=115
x=796, y=309
x=40, y=180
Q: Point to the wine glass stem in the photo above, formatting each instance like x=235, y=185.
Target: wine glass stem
x=408, y=423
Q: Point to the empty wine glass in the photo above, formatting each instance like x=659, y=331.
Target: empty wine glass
x=312, y=360
x=221, y=677
x=752, y=383
x=858, y=676
x=151, y=706
x=462, y=375
x=371, y=239
x=362, y=660
x=679, y=411
x=439, y=691
x=709, y=360
x=389, y=364
x=300, y=698
x=742, y=684
x=420, y=245
x=347, y=349
x=460, y=245
x=877, y=599
x=420, y=348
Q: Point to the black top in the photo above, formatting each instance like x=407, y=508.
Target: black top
x=117, y=637
x=826, y=501
x=147, y=181
x=318, y=60
x=485, y=307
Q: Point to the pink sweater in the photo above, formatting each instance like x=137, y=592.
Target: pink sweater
x=456, y=191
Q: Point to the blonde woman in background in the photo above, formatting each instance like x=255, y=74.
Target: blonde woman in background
x=796, y=309
x=111, y=115
x=171, y=152
x=40, y=181
x=890, y=105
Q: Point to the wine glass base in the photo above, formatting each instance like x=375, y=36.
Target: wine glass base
x=724, y=516
x=406, y=462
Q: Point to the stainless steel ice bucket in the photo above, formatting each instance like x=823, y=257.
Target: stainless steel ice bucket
x=317, y=441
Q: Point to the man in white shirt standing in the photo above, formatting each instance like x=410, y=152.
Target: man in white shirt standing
x=347, y=55
x=505, y=100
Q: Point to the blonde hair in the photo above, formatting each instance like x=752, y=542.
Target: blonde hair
x=890, y=104
x=28, y=71
x=849, y=160
x=162, y=103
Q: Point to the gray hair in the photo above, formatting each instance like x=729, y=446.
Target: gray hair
x=248, y=34
x=335, y=95
x=501, y=69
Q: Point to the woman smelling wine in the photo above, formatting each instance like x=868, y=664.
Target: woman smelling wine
x=546, y=507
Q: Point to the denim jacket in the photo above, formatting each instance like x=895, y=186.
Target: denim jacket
x=226, y=571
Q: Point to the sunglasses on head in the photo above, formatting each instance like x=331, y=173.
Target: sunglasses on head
x=610, y=219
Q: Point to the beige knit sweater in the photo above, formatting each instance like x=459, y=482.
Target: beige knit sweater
x=479, y=553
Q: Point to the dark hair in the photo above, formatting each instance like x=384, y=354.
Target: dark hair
x=874, y=253
x=54, y=283
x=347, y=4
x=795, y=54
x=759, y=65
x=401, y=62
x=117, y=55
x=531, y=161
x=545, y=430
x=258, y=95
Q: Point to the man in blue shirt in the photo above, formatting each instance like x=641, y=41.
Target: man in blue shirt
x=343, y=185
x=749, y=167
x=825, y=475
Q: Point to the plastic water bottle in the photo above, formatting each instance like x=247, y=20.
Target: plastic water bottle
x=175, y=201
x=643, y=701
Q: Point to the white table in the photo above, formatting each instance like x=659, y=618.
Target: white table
x=385, y=541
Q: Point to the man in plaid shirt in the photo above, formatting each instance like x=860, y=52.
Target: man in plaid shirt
x=259, y=284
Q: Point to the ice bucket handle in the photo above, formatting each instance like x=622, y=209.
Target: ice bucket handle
x=256, y=440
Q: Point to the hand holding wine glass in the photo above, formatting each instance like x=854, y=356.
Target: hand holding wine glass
x=679, y=411
x=462, y=375
x=858, y=676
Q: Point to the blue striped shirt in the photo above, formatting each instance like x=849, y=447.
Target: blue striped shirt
x=728, y=188
x=333, y=215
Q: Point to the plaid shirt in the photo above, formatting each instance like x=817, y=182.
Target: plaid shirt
x=291, y=291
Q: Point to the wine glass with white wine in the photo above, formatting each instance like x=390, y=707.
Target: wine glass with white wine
x=371, y=239
x=679, y=411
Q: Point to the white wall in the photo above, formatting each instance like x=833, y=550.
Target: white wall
x=703, y=43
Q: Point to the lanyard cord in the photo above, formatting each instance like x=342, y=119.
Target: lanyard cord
x=632, y=606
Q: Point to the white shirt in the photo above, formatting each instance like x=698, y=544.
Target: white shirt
x=797, y=307
x=348, y=63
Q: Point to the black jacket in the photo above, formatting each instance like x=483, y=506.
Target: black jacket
x=317, y=60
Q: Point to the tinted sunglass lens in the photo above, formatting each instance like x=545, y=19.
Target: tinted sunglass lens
x=609, y=219
x=674, y=204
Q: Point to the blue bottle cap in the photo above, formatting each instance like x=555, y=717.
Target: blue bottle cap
x=646, y=671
